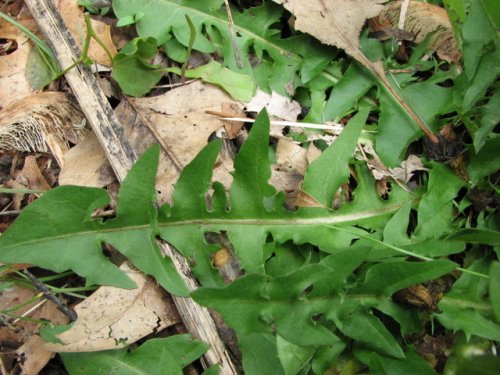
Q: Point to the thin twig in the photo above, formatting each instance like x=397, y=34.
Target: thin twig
x=378, y=71
x=41, y=287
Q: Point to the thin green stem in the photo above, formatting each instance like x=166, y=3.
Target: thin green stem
x=192, y=38
x=91, y=31
x=90, y=34
x=25, y=318
x=46, y=52
x=22, y=191
x=70, y=290
x=21, y=305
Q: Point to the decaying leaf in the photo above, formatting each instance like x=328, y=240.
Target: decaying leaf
x=33, y=356
x=378, y=170
x=179, y=122
x=73, y=17
x=232, y=128
x=408, y=168
x=334, y=22
x=303, y=199
x=275, y=104
x=42, y=122
x=312, y=153
x=422, y=19
x=290, y=157
x=382, y=174
x=21, y=335
x=285, y=181
x=86, y=165
x=32, y=175
x=14, y=82
x=113, y=318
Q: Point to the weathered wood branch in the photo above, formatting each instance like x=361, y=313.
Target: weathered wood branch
x=121, y=156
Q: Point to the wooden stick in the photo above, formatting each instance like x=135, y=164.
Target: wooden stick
x=121, y=155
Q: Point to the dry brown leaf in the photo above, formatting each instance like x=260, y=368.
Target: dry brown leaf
x=232, y=128
x=303, y=199
x=290, y=157
x=338, y=23
x=285, y=181
x=188, y=98
x=184, y=136
x=312, y=153
x=113, y=318
x=14, y=84
x=33, y=356
x=377, y=168
x=408, y=168
x=73, y=17
x=18, y=197
x=289, y=182
x=275, y=104
x=382, y=187
x=182, y=133
x=86, y=165
x=21, y=334
x=422, y=19
x=42, y=122
x=334, y=22
x=31, y=172
x=382, y=174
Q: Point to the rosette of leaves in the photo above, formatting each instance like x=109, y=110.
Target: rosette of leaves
x=316, y=279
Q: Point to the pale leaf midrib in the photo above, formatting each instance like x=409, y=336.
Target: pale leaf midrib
x=269, y=222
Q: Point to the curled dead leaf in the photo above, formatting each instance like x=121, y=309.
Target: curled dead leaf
x=338, y=23
x=408, y=168
x=421, y=19
x=304, y=199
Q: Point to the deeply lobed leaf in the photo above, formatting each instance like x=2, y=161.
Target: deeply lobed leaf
x=328, y=298
x=293, y=302
x=62, y=235
x=255, y=210
x=280, y=59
